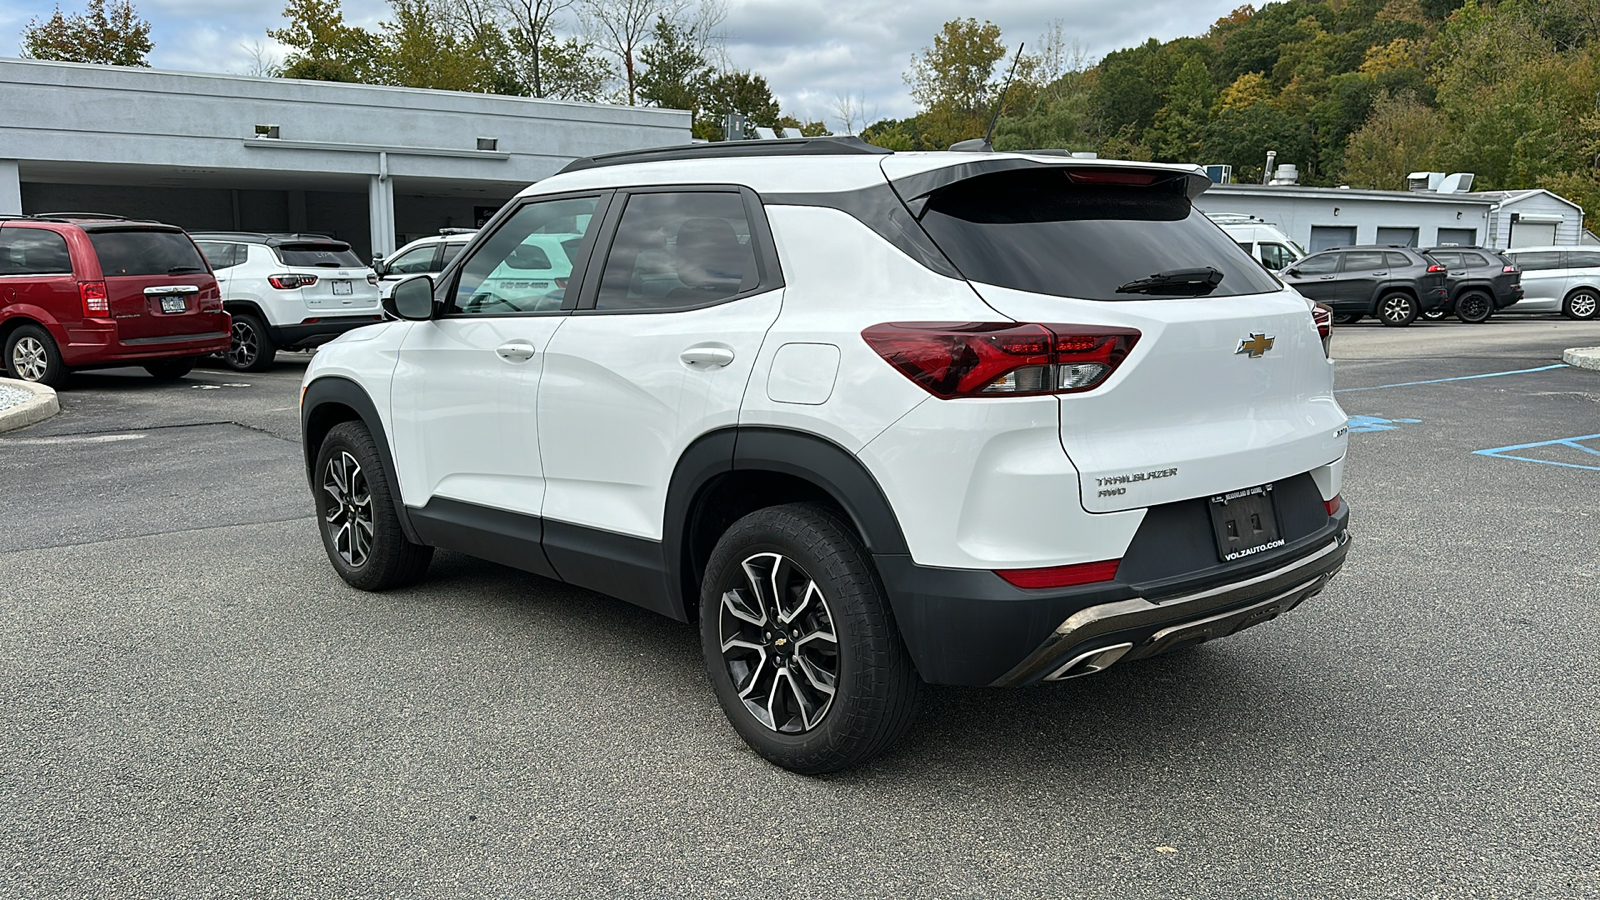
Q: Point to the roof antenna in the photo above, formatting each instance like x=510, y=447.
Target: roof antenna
x=986, y=145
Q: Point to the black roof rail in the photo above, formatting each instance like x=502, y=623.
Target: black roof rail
x=85, y=215
x=847, y=145
x=257, y=237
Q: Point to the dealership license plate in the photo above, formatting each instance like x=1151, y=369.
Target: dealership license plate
x=1246, y=523
x=173, y=304
x=341, y=288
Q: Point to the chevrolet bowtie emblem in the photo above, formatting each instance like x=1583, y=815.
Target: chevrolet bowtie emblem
x=1255, y=345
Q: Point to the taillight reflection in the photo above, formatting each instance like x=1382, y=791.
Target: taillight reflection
x=95, y=300
x=989, y=359
x=291, y=281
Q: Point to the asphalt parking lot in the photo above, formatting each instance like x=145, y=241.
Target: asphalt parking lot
x=192, y=704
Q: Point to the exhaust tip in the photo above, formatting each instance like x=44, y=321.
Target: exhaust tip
x=1089, y=663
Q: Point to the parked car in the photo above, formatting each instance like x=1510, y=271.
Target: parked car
x=1393, y=283
x=1480, y=281
x=1261, y=239
x=90, y=291
x=1559, y=279
x=1013, y=436
x=288, y=292
x=423, y=255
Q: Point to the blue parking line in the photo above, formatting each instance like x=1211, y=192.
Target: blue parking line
x=1571, y=442
x=1380, y=387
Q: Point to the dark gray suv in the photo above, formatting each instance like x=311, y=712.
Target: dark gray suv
x=1394, y=284
x=1480, y=282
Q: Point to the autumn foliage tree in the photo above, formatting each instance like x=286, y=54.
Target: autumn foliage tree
x=114, y=36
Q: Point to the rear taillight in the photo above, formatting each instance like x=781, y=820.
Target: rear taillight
x=1061, y=576
x=990, y=359
x=290, y=282
x=372, y=278
x=1322, y=317
x=1436, y=268
x=95, y=300
x=1110, y=176
x=1332, y=506
x=1509, y=270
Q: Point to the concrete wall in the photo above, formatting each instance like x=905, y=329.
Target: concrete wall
x=1297, y=210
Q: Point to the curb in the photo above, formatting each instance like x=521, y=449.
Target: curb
x=42, y=405
x=1582, y=357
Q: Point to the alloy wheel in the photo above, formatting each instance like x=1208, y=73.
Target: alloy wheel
x=779, y=644
x=1583, y=305
x=349, y=515
x=1474, y=308
x=244, y=345
x=29, y=359
x=1396, y=309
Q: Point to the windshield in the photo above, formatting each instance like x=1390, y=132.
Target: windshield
x=146, y=252
x=1035, y=230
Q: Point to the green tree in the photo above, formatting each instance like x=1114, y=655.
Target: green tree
x=324, y=48
x=897, y=134
x=1402, y=136
x=1242, y=137
x=530, y=28
x=1179, y=127
x=115, y=37
x=675, y=74
x=744, y=92
x=573, y=70
x=955, y=81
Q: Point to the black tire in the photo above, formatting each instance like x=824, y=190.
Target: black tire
x=32, y=355
x=353, y=497
x=170, y=369
x=1582, y=304
x=1346, y=318
x=250, y=348
x=1397, y=309
x=876, y=689
x=1474, y=307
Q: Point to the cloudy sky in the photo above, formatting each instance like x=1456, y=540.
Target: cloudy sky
x=811, y=51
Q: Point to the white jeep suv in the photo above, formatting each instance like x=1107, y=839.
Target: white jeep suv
x=871, y=420
x=423, y=255
x=287, y=292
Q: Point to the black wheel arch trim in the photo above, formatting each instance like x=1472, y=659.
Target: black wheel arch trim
x=335, y=390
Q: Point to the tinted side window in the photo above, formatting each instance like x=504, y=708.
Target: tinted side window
x=451, y=251
x=1397, y=260
x=1364, y=261
x=1583, y=259
x=1452, y=261
x=29, y=251
x=413, y=261
x=677, y=250
x=1533, y=262
x=1322, y=264
x=526, y=264
x=221, y=256
x=1276, y=256
x=1475, y=259
x=145, y=253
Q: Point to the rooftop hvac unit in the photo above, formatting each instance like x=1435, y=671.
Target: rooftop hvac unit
x=1220, y=174
x=1286, y=174
x=1424, y=181
x=1459, y=183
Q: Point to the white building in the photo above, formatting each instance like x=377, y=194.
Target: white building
x=367, y=164
x=1320, y=218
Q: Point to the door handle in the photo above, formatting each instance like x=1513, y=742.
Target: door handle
x=516, y=351
x=709, y=355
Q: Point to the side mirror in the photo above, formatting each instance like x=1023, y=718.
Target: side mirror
x=411, y=299
x=1292, y=271
x=379, y=266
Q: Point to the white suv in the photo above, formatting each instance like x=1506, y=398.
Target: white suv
x=287, y=292
x=870, y=419
x=422, y=256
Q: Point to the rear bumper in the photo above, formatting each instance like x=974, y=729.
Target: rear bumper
x=88, y=346
x=970, y=627
x=321, y=331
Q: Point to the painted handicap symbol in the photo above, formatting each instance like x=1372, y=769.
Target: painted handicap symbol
x=1365, y=424
x=1582, y=452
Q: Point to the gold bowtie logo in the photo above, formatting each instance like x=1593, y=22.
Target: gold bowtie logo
x=1255, y=345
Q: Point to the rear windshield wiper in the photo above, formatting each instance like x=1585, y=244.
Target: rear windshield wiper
x=1177, y=281
x=184, y=270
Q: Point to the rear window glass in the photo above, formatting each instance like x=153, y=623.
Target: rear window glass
x=1533, y=262
x=146, y=253
x=29, y=251
x=1397, y=260
x=1586, y=259
x=1034, y=230
x=328, y=256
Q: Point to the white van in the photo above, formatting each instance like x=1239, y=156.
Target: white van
x=1559, y=279
x=1261, y=239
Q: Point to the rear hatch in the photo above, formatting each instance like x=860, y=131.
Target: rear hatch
x=158, y=286
x=1227, y=385
x=340, y=283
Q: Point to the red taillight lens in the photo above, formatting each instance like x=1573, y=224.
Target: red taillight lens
x=94, y=297
x=290, y=282
x=1062, y=576
x=1332, y=506
x=1509, y=270
x=371, y=278
x=987, y=359
x=1436, y=268
x=1323, y=317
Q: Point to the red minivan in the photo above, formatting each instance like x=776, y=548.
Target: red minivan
x=81, y=291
